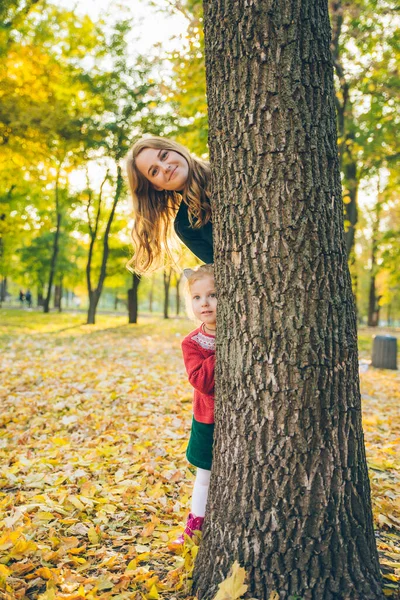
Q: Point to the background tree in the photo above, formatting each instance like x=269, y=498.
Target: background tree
x=133, y=301
x=289, y=495
x=365, y=43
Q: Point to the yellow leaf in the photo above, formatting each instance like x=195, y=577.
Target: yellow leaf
x=92, y=535
x=104, y=584
x=148, y=530
x=233, y=587
x=143, y=556
x=44, y=572
x=44, y=516
x=60, y=441
x=383, y=520
x=76, y=502
x=388, y=563
x=77, y=550
x=4, y=572
x=48, y=595
x=22, y=548
x=132, y=565
x=153, y=594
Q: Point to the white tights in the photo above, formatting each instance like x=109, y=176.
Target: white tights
x=200, y=492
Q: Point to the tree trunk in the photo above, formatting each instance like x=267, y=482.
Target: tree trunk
x=373, y=302
x=57, y=296
x=345, y=119
x=3, y=291
x=61, y=294
x=94, y=298
x=289, y=495
x=178, y=295
x=350, y=204
x=40, y=298
x=94, y=294
x=151, y=294
x=133, y=299
x=167, y=283
x=389, y=314
x=46, y=304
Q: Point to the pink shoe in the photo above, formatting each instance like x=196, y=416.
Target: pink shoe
x=193, y=524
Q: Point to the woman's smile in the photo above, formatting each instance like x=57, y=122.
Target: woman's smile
x=165, y=169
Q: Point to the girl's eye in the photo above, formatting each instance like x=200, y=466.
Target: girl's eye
x=213, y=295
x=154, y=172
x=164, y=155
x=196, y=297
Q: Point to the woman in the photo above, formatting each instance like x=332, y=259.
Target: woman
x=168, y=185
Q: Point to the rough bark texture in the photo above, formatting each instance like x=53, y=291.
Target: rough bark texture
x=290, y=495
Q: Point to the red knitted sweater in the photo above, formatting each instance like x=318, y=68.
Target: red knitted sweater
x=199, y=356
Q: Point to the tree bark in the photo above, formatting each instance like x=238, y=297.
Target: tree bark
x=53, y=264
x=345, y=118
x=58, y=296
x=178, y=295
x=151, y=293
x=167, y=283
x=133, y=299
x=3, y=288
x=373, y=298
x=289, y=495
x=94, y=294
x=350, y=203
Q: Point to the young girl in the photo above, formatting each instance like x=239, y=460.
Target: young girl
x=198, y=350
x=168, y=185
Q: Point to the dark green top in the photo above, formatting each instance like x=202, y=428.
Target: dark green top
x=199, y=241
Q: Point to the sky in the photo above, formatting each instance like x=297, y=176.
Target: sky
x=152, y=25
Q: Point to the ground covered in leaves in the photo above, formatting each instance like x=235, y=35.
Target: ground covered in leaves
x=94, y=483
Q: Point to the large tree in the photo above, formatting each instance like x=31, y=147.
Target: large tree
x=289, y=495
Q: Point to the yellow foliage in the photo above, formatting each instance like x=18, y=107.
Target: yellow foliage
x=91, y=503
x=233, y=587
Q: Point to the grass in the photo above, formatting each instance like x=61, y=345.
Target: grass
x=21, y=322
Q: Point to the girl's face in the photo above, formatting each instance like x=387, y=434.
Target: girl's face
x=204, y=300
x=165, y=169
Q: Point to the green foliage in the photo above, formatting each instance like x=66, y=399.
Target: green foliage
x=188, y=90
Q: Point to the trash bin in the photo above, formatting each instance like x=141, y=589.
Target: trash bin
x=384, y=352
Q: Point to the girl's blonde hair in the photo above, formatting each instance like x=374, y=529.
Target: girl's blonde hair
x=154, y=210
x=193, y=275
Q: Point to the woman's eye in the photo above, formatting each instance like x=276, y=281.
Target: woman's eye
x=164, y=155
x=154, y=172
x=213, y=295
x=196, y=297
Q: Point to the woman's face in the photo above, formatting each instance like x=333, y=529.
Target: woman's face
x=165, y=169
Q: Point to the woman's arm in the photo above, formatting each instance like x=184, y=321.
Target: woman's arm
x=199, y=241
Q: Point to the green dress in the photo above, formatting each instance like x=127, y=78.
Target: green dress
x=200, y=447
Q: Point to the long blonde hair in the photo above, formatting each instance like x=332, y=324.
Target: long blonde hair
x=154, y=210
